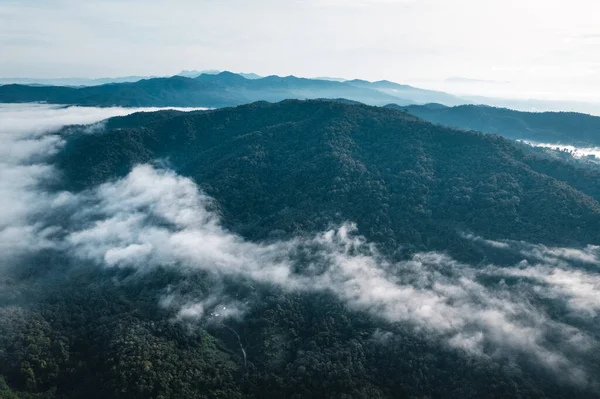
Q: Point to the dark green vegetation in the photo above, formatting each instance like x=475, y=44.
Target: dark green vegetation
x=223, y=89
x=543, y=127
x=298, y=166
x=279, y=170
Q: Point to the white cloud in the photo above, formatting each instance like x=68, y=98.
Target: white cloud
x=570, y=274
x=27, y=140
x=213, y=309
x=577, y=152
x=589, y=254
x=128, y=254
x=579, y=288
x=166, y=216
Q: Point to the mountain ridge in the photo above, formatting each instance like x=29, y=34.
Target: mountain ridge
x=213, y=90
x=409, y=164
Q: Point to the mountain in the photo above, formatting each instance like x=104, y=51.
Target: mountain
x=250, y=75
x=218, y=90
x=212, y=254
x=416, y=95
x=543, y=127
x=173, y=91
x=537, y=105
x=293, y=165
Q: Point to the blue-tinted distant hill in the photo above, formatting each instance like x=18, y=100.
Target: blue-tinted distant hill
x=416, y=95
x=544, y=127
x=195, y=73
x=72, y=81
x=220, y=90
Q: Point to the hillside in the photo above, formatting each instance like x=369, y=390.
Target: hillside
x=217, y=90
x=418, y=96
x=297, y=166
x=543, y=127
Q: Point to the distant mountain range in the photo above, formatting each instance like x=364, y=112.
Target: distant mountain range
x=215, y=89
x=543, y=127
x=72, y=81
x=418, y=96
x=223, y=89
x=101, y=81
x=167, y=92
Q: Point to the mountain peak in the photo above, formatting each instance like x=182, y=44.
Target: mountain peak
x=229, y=74
x=224, y=77
x=390, y=84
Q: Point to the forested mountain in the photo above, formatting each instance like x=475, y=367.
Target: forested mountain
x=294, y=165
x=419, y=96
x=544, y=127
x=458, y=228
x=218, y=90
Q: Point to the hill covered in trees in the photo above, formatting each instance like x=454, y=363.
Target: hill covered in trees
x=227, y=265
x=301, y=165
x=219, y=90
x=542, y=127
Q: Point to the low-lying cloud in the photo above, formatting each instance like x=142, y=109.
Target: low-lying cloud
x=28, y=138
x=156, y=218
x=577, y=152
x=569, y=274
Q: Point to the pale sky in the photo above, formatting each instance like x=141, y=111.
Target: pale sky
x=516, y=48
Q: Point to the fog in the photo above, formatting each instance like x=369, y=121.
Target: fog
x=27, y=139
x=155, y=218
x=577, y=152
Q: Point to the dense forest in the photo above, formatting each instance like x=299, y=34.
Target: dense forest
x=276, y=172
x=542, y=127
x=298, y=166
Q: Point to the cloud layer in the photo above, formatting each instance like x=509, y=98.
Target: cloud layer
x=577, y=152
x=28, y=138
x=155, y=218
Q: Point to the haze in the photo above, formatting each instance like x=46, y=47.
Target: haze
x=520, y=49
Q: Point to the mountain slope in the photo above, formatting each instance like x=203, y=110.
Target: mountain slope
x=298, y=166
x=174, y=91
x=72, y=81
x=546, y=127
x=419, y=96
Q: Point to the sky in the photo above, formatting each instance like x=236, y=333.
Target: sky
x=546, y=49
